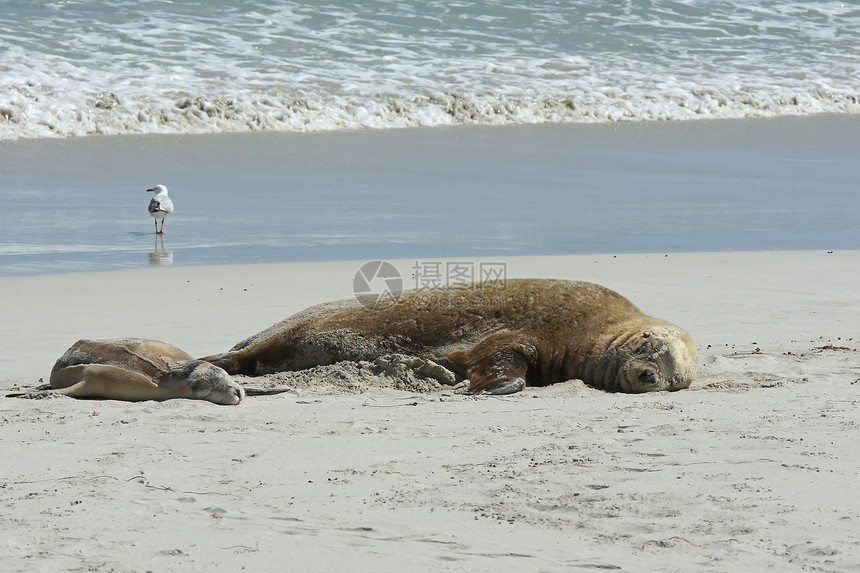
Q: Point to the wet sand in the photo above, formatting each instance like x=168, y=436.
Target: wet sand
x=742, y=185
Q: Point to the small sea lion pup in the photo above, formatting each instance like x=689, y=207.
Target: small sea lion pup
x=500, y=335
x=135, y=369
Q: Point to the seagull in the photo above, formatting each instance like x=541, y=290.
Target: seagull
x=160, y=207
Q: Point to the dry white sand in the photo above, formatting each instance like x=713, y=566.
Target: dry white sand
x=754, y=467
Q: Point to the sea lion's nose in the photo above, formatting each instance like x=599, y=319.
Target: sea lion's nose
x=648, y=376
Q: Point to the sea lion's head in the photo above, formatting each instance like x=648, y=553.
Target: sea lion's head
x=659, y=356
x=208, y=382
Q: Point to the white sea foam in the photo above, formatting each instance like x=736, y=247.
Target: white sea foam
x=72, y=69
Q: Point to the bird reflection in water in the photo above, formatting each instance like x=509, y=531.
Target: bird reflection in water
x=159, y=255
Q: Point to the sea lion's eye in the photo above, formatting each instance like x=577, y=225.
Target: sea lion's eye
x=646, y=335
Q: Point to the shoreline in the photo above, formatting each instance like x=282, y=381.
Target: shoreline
x=841, y=122
x=711, y=185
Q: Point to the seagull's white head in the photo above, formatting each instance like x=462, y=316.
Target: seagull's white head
x=158, y=190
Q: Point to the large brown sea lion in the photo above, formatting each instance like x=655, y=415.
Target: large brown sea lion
x=500, y=335
x=135, y=369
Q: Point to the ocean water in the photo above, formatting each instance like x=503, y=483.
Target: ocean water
x=320, y=179
x=74, y=68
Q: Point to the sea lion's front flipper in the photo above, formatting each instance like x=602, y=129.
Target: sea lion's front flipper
x=498, y=364
x=106, y=381
x=509, y=386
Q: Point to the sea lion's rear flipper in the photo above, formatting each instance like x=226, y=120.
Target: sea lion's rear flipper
x=496, y=365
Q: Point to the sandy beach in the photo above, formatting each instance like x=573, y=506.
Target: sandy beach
x=750, y=468
x=701, y=159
